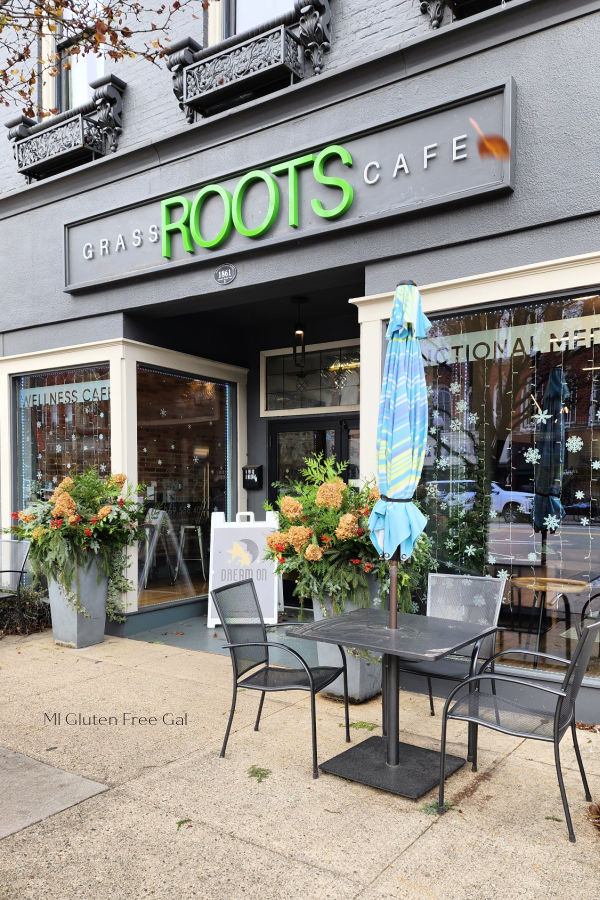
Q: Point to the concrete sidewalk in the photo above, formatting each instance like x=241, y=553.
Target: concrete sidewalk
x=286, y=837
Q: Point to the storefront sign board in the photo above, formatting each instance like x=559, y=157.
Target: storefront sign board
x=423, y=158
x=236, y=553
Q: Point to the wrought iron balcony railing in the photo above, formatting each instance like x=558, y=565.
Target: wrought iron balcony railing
x=72, y=137
x=250, y=64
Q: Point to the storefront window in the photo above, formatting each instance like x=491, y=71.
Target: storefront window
x=62, y=427
x=330, y=377
x=185, y=461
x=511, y=481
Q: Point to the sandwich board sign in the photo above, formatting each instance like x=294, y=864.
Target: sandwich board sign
x=236, y=553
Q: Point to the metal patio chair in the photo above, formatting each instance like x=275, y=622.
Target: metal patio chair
x=465, y=598
x=240, y=614
x=13, y=557
x=536, y=711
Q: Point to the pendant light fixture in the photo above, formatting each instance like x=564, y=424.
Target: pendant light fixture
x=299, y=339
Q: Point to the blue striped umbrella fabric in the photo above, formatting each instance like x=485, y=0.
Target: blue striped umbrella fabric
x=402, y=428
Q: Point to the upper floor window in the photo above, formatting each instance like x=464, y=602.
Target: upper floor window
x=77, y=70
x=241, y=15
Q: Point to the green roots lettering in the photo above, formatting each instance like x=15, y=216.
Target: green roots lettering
x=242, y=210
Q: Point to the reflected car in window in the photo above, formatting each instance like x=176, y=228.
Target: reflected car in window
x=513, y=506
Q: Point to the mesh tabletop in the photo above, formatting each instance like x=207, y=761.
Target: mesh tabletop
x=416, y=638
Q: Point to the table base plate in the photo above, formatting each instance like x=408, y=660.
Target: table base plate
x=417, y=773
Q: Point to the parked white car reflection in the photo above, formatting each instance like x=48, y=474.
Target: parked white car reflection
x=513, y=506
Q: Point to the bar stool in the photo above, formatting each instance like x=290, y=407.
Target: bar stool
x=182, y=534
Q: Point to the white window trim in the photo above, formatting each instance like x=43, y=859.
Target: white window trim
x=122, y=357
x=301, y=411
x=572, y=273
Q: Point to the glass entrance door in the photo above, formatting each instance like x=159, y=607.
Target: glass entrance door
x=291, y=441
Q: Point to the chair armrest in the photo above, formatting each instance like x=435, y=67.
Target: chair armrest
x=273, y=644
x=476, y=679
x=492, y=659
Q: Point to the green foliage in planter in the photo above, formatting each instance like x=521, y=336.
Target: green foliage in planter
x=87, y=517
x=323, y=540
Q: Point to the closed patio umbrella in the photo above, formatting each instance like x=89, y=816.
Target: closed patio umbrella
x=395, y=522
x=547, y=511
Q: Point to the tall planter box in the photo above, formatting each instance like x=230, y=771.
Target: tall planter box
x=69, y=627
x=364, y=675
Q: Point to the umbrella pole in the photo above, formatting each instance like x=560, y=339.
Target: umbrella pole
x=392, y=712
x=394, y=589
x=543, y=554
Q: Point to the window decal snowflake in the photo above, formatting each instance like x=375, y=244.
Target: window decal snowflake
x=461, y=405
x=455, y=425
x=533, y=455
x=471, y=550
x=532, y=556
x=473, y=418
x=541, y=417
x=574, y=444
x=579, y=495
x=552, y=522
x=455, y=388
x=585, y=521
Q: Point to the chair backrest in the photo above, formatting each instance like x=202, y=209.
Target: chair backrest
x=13, y=556
x=576, y=671
x=241, y=617
x=466, y=598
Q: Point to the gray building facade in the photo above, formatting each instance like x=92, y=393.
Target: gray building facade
x=298, y=173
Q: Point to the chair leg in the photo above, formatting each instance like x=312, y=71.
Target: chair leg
x=442, y=767
x=313, y=717
x=260, y=706
x=430, y=688
x=233, y=699
x=563, y=793
x=586, y=788
x=346, y=712
x=474, y=729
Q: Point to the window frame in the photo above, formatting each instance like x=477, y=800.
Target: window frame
x=309, y=410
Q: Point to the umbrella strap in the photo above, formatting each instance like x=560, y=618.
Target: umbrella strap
x=395, y=499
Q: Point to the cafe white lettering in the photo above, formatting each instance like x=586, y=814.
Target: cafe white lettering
x=109, y=246
x=82, y=392
x=456, y=151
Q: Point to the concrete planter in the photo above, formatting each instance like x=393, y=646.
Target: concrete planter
x=364, y=675
x=69, y=627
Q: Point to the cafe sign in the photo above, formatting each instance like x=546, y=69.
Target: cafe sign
x=426, y=158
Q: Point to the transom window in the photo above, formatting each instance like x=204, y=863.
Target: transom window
x=328, y=379
x=241, y=15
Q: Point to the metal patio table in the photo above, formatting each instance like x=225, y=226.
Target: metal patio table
x=386, y=762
